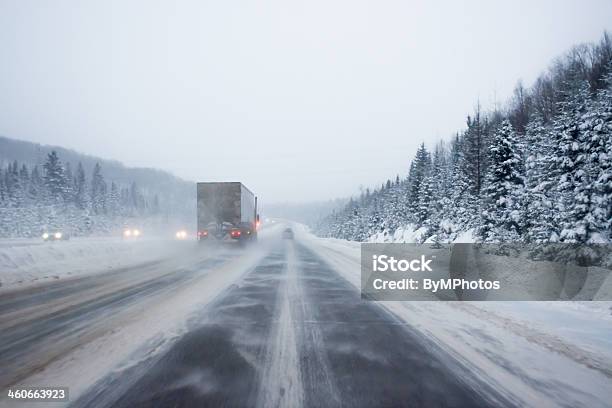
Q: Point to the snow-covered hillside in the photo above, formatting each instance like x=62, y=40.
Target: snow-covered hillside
x=81, y=194
x=537, y=172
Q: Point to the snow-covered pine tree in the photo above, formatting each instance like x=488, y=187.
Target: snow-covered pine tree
x=24, y=184
x=571, y=159
x=35, y=189
x=2, y=189
x=113, y=200
x=135, y=200
x=540, y=185
x=393, y=211
x=474, y=146
x=54, y=179
x=98, y=191
x=440, y=175
x=24, y=174
x=80, y=188
x=503, y=189
x=69, y=194
x=425, y=201
x=14, y=187
x=596, y=126
x=419, y=169
x=463, y=204
x=373, y=222
x=603, y=183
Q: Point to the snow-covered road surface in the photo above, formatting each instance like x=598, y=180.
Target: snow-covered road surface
x=293, y=333
x=281, y=324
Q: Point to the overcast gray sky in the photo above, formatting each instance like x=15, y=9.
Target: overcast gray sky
x=300, y=100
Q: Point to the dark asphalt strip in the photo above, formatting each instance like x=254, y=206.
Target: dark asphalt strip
x=351, y=352
x=376, y=361
x=215, y=363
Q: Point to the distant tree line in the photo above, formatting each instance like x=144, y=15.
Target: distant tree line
x=538, y=171
x=32, y=198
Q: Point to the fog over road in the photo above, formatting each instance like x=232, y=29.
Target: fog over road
x=271, y=325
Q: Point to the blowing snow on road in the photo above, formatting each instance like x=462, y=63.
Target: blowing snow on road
x=278, y=324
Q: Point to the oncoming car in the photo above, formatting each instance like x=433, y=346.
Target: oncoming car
x=181, y=235
x=131, y=233
x=55, y=236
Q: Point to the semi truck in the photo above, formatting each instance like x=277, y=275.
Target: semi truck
x=227, y=211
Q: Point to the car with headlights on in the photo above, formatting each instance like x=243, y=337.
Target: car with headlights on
x=130, y=233
x=55, y=235
x=181, y=235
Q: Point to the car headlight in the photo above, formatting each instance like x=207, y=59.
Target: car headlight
x=136, y=232
x=45, y=236
x=127, y=233
x=58, y=235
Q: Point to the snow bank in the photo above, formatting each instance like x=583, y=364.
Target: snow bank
x=411, y=234
x=27, y=262
x=403, y=234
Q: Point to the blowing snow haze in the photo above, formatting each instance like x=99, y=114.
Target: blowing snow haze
x=306, y=204
x=299, y=100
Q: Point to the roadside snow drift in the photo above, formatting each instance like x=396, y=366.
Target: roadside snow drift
x=27, y=262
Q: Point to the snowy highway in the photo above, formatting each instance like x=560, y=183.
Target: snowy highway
x=278, y=324
x=292, y=333
x=313, y=204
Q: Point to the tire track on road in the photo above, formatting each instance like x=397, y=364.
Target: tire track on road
x=281, y=384
x=217, y=362
x=374, y=360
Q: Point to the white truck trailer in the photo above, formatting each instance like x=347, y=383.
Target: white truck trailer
x=227, y=211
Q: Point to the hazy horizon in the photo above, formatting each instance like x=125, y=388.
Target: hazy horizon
x=301, y=102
